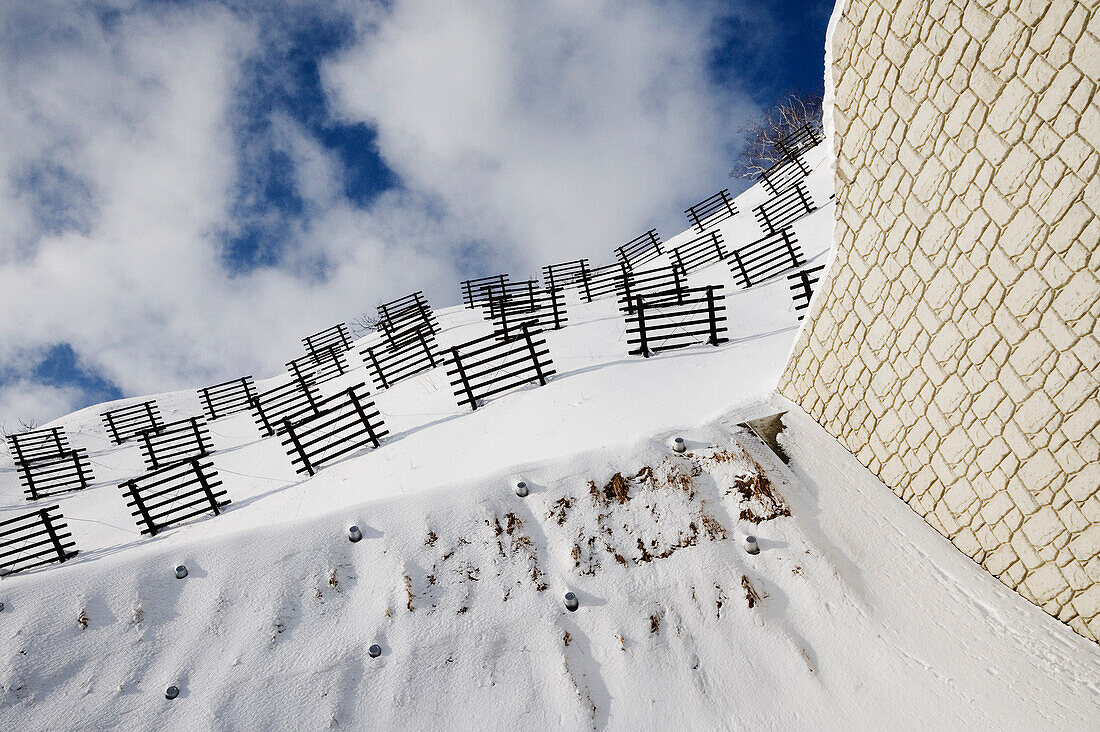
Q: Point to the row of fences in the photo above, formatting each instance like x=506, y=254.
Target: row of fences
x=662, y=313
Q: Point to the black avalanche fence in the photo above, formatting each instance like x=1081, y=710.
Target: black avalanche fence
x=699, y=252
x=34, y=539
x=640, y=250
x=668, y=279
x=791, y=167
x=606, y=280
x=802, y=287
x=480, y=289
x=784, y=208
x=412, y=312
x=127, y=422
x=174, y=494
x=335, y=337
x=176, y=442
x=531, y=306
x=763, y=258
x=322, y=366
x=485, y=367
x=710, y=211
x=344, y=423
x=47, y=465
x=565, y=275
x=663, y=321
x=801, y=139
x=228, y=397
x=293, y=400
x=414, y=352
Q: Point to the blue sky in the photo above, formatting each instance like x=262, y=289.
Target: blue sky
x=218, y=170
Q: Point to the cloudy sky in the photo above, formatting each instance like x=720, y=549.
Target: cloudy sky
x=188, y=188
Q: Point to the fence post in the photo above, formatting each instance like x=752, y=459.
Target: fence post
x=206, y=487
x=584, y=280
x=741, y=265
x=309, y=395
x=427, y=349
x=26, y=466
x=627, y=297
x=149, y=447
x=152, y=419
x=255, y=402
x=14, y=439
x=354, y=398
x=209, y=405
x=695, y=217
x=114, y=430
x=790, y=247
x=297, y=371
x=198, y=436
x=718, y=246
x=656, y=242
x=248, y=386
x=79, y=470
x=763, y=209
x=728, y=201
x=802, y=195
x=140, y=503
x=48, y=522
x=56, y=431
x=554, y=294
x=534, y=355
x=713, y=316
x=336, y=357
x=378, y=368
x=462, y=376
x=298, y=445
x=640, y=310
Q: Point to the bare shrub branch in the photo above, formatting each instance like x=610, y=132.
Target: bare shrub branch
x=761, y=153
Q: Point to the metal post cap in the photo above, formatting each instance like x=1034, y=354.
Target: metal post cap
x=521, y=489
x=571, y=601
x=375, y=651
x=171, y=692
x=354, y=534
x=751, y=546
x=678, y=445
x=181, y=571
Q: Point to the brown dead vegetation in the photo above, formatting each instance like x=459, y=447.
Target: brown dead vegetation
x=560, y=510
x=752, y=597
x=753, y=487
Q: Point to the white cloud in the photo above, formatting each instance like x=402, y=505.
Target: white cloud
x=555, y=129
x=544, y=131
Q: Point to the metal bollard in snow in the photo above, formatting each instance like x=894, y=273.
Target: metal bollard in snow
x=375, y=651
x=171, y=692
x=354, y=534
x=571, y=602
x=678, y=445
x=751, y=546
x=521, y=489
x=181, y=571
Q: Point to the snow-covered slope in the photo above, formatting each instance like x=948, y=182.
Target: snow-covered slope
x=854, y=612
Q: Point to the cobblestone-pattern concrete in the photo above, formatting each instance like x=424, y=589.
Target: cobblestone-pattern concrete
x=953, y=348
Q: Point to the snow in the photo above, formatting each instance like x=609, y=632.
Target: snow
x=866, y=616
